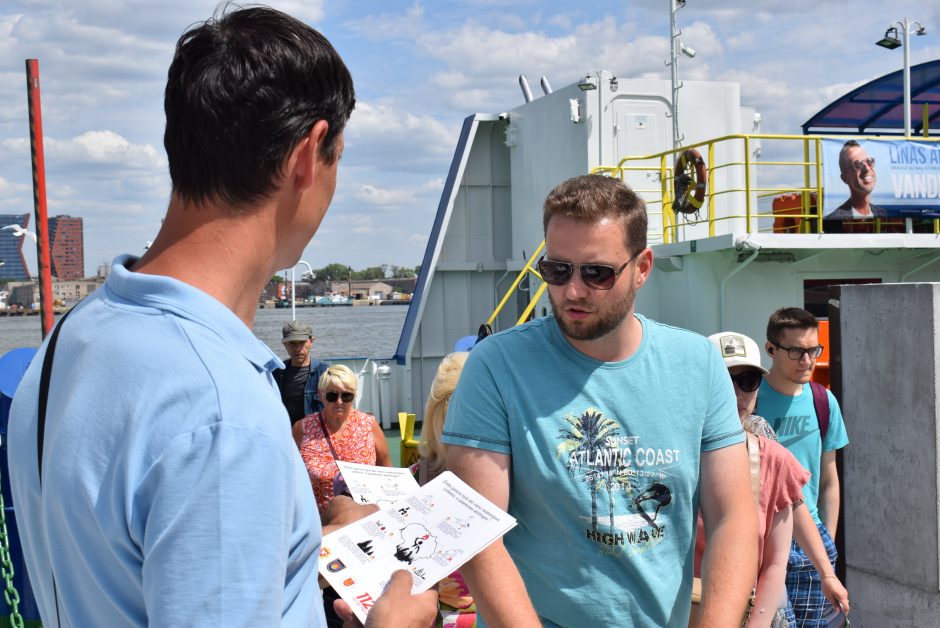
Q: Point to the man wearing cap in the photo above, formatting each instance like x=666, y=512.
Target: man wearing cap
x=297, y=381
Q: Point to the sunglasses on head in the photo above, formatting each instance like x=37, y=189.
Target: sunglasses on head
x=748, y=381
x=597, y=276
x=332, y=396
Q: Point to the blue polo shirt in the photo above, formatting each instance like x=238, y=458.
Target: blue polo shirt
x=172, y=492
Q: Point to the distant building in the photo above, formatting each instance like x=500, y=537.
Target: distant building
x=71, y=292
x=362, y=289
x=66, y=244
x=11, y=248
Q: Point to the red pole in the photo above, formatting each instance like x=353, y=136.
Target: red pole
x=39, y=195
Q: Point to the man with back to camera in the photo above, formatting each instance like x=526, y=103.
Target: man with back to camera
x=297, y=381
x=165, y=488
x=785, y=399
x=858, y=172
x=601, y=431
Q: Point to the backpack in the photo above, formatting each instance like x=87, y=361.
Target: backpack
x=821, y=405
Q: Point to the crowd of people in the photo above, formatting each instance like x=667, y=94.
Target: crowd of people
x=617, y=442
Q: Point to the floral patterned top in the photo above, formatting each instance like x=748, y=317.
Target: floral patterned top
x=355, y=442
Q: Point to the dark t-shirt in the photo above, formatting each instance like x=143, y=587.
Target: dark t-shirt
x=292, y=393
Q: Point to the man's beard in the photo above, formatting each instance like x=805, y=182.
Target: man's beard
x=605, y=321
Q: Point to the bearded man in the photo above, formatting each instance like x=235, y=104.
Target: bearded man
x=565, y=420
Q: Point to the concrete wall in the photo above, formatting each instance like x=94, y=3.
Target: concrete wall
x=890, y=363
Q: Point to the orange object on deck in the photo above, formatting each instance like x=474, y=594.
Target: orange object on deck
x=789, y=214
x=821, y=371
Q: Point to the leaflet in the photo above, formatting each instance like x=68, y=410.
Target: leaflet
x=368, y=484
x=430, y=533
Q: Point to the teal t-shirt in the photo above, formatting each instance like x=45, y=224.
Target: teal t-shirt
x=605, y=465
x=794, y=420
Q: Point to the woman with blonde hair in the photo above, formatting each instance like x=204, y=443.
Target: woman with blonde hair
x=338, y=432
x=456, y=605
x=433, y=459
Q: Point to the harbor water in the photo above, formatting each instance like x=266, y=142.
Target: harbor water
x=341, y=332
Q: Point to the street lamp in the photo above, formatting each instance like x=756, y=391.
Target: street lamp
x=293, y=316
x=891, y=41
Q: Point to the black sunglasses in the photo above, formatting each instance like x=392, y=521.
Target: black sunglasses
x=332, y=396
x=748, y=381
x=597, y=276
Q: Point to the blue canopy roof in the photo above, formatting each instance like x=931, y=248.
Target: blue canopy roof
x=878, y=106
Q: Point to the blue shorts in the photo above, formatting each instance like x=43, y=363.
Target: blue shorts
x=804, y=585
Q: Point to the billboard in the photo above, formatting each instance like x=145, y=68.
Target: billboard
x=863, y=179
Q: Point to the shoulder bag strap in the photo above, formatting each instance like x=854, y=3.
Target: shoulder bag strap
x=753, y=458
x=326, y=435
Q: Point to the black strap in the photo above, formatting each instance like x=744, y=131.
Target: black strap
x=326, y=435
x=44, y=377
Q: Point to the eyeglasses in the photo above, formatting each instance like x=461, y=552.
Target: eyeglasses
x=859, y=164
x=797, y=353
x=597, y=276
x=332, y=396
x=748, y=381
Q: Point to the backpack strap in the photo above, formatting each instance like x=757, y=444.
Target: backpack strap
x=821, y=405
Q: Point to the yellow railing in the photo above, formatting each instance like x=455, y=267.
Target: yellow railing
x=805, y=182
x=802, y=177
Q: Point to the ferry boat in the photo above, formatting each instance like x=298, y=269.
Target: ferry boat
x=757, y=242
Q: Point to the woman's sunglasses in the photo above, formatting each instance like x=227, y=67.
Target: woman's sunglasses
x=748, y=381
x=597, y=276
x=332, y=396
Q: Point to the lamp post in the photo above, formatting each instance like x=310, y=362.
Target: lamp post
x=293, y=316
x=891, y=42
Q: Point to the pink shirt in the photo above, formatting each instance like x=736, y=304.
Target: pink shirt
x=355, y=442
x=781, y=485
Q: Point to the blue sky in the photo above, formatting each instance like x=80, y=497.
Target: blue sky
x=419, y=68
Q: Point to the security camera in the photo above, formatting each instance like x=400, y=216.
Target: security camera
x=689, y=52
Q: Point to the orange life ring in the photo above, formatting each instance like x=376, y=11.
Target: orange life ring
x=690, y=178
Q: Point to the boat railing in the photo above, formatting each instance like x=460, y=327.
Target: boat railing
x=738, y=202
x=733, y=199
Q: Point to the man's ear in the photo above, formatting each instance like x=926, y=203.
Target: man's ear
x=304, y=161
x=644, y=265
x=769, y=348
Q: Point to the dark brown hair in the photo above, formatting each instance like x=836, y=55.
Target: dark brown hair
x=789, y=318
x=591, y=198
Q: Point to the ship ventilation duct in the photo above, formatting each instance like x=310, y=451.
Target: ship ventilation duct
x=546, y=86
x=524, y=84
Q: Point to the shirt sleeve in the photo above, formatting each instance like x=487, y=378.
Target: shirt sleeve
x=216, y=512
x=722, y=426
x=836, y=437
x=782, y=477
x=477, y=415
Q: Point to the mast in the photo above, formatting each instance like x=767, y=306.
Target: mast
x=39, y=195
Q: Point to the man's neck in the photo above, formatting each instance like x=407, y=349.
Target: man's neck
x=861, y=204
x=616, y=346
x=304, y=363
x=782, y=385
x=227, y=255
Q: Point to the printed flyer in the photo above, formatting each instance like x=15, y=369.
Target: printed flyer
x=430, y=533
x=369, y=484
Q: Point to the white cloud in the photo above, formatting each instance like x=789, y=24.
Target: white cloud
x=100, y=147
x=379, y=196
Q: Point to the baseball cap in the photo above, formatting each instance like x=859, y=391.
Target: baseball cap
x=737, y=349
x=295, y=330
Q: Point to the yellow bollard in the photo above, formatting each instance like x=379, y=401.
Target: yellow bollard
x=409, y=446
